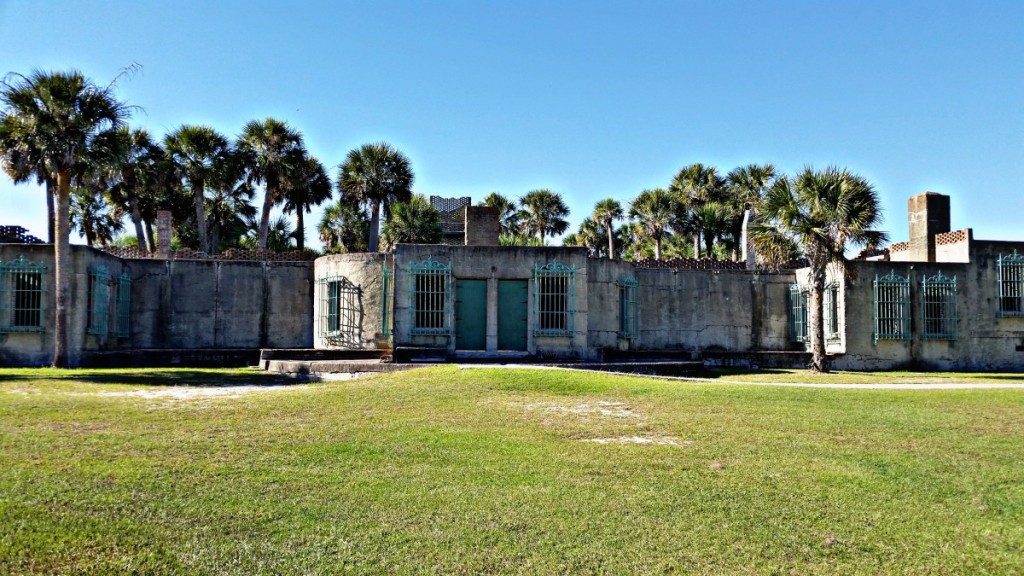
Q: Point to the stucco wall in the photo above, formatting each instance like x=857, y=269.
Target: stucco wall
x=365, y=272
x=984, y=341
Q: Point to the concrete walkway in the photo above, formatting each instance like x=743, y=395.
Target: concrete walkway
x=900, y=386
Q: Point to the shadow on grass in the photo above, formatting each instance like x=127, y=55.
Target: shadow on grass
x=153, y=377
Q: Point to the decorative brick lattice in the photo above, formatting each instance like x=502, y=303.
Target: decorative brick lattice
x=954, y=237
x=231, y=254
x=899, y=247
x=17, y=235
x=706, y=264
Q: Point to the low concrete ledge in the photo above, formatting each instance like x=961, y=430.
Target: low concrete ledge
x=172, y=357
x=319, y=369
x=758, y=359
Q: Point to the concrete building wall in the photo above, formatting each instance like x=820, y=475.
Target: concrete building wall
x=175, y=304
x=493, y=263
x=365, y=272
x=483, y=226
x=985, y=341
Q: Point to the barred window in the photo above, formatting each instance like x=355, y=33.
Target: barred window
x=938, y=307
x=124, y=305
x=99, y=301
x=1011, y=284
x=340, y=317
x=798, y=298
x=892, y=307
x=628, y=307
x=431, y=297
x=22, y=284
x=554, y=299
x=832, y=311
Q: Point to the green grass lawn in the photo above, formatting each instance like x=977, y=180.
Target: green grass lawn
x=442, y=470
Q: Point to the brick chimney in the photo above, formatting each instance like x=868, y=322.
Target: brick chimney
x=928, y=215
x=163, y=234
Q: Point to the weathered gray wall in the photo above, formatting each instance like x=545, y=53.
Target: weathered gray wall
x=221, y=304
x=36, y=348
x=365, y=270
x=190, y=304
x=985, y=341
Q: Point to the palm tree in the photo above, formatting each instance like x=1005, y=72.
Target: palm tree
x=655, y=211
x=543, y=212
x=714, y=219
x=57, y=114
x=270, y=150
x=92, y=215
x=589, y=235
x=196, y=154
x=279, y=235
x=377, y=176
x=307, y=186
x=606, y=212
x=822, y=212
x=695, y=185
x=23, y=161
x=344, y=228
x=228, y=207
x=506, y=208
x=415, y=221
x=139, y=178
x=746, y=186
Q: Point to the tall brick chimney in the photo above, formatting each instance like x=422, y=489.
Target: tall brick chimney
x=928, y=214
x=163, y=234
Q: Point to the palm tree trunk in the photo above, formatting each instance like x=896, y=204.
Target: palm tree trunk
x=136, y=216
x=51, y=186
x=268, y=203
x=611, y=241
x=199, y=199
x=709, y=243
x=696, y=245
x=819, y=360
x=150, y=238
x=300, y=228
x=62, y=268
x=374, y=224
x=215, y=238
x=657, y=248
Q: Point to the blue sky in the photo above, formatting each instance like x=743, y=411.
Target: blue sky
x=590, y=99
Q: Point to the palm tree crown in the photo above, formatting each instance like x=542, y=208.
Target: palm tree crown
x=655, y=211
x=270, y=150
x=308, y=185
x=377, y=176
x=543, y=212
x=606, y=212
x=196, y=155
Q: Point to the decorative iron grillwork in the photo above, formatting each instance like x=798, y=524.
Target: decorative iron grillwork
x=938, y=307
x=1011, y=284
x=341, y=312
x=554, y=299
x=431, y=297
x=22, y=286
x=798, y=298
x=628, y=309
x=892, y=307
x=99, y=301
x=832, y=311
x=122, y=328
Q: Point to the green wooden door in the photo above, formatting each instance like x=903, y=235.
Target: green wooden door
x=471, y=314
x=512, y=314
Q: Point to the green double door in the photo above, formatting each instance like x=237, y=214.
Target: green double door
x=470, y=314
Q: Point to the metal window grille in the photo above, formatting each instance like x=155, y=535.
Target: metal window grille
x=798, y=313
x=832, y=311
x=554, y=299
x=628, y=307
x=122, y=329
x=99, y=301
x=431, y=297
x=938, y=307
x=340, y=318
x=1011, y=284
x=22, y=285
x=892, y=307
x=387, y=299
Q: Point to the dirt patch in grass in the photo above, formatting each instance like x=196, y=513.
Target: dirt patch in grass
x=649, y=440
x=598, y=408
